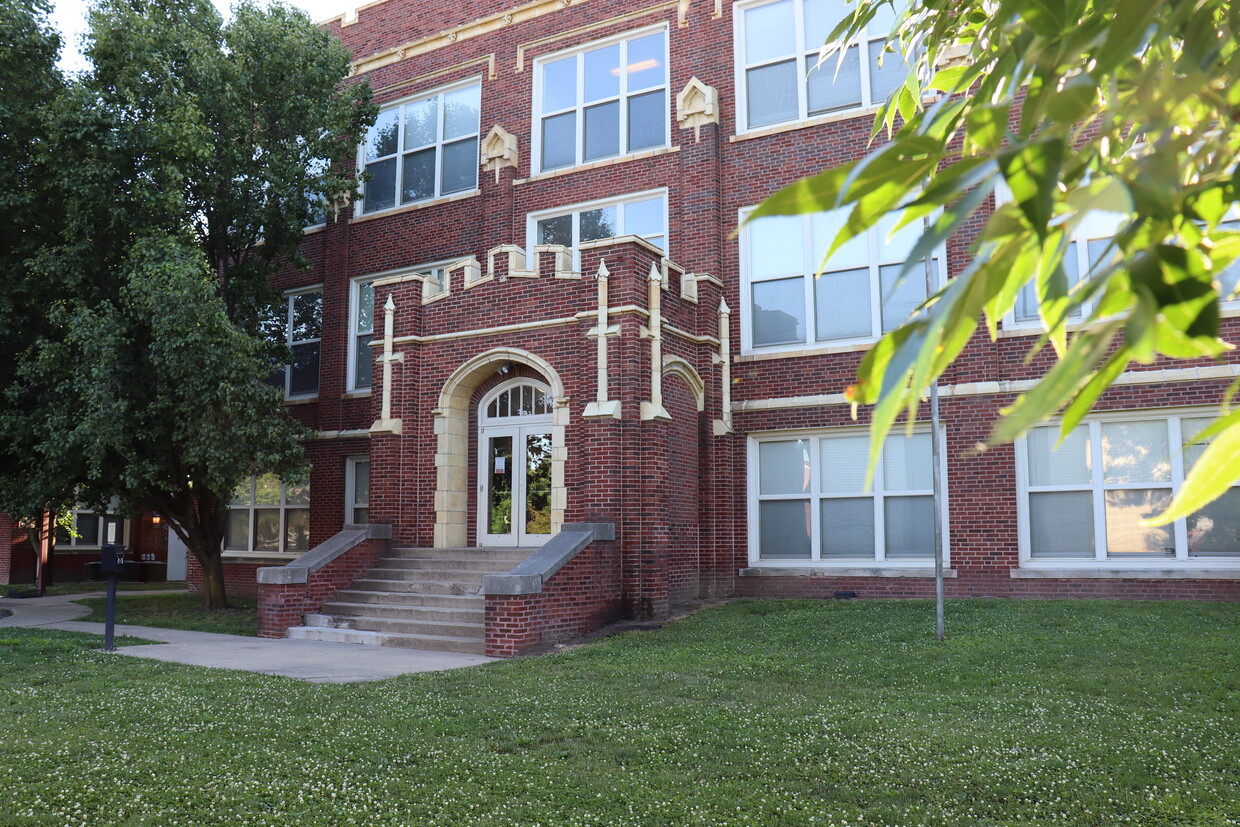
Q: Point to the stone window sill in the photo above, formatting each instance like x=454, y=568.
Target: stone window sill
x=1098, y=573
x=843, y=571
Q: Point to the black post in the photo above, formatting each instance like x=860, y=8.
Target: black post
x=109, y=622
x=112, y=554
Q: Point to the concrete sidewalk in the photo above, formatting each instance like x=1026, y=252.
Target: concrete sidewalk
x=308, y=660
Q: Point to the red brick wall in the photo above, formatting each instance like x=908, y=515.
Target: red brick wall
x=8, y=533
x=675, y=491
x=240, y=579
x=579, y=597
x=281, y=606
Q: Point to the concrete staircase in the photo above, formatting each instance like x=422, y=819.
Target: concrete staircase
x=415, y=598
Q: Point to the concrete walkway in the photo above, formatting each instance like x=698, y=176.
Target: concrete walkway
x=308, y=660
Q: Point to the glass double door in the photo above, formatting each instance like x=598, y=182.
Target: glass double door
x=514, y=485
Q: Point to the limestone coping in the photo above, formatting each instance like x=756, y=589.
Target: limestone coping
x=843, y=571
x=530, y=574
x=299, y=570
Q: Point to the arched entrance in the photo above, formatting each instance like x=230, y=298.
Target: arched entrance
x=514, y=464
x=454, y=454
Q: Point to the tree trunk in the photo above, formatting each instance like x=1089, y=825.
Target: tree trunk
x=200, y=522
x=213, y=594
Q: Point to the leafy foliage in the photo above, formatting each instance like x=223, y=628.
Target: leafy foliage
x=1078, y=107
x=187, y=162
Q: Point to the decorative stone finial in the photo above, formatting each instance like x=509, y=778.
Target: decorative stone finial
x=499, y=150
x=697, y=104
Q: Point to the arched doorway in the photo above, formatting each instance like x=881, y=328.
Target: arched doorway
x=514, y=464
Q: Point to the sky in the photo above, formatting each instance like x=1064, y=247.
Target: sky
x=69, y=18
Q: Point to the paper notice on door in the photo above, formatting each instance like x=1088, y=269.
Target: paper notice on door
x=501, y=467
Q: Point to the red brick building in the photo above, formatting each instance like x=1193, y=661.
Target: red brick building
x=538, y=329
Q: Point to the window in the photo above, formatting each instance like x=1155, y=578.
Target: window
x=1229, y=279
x=91, y=529
x=809, y=503
x=857, y=296
x=1085, y=500
x=361, y=332
x=605, y=100
x=422, y=148
x=436, y=283
x=357, y=490
x=777, y=45
x=298, y=322
x=268, y=516
x=643, y=215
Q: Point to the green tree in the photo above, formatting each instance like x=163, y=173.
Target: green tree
x=29, y=81
x=187, y=162
x=1078, y=107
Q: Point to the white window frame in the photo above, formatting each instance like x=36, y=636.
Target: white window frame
x=875, y=262
x=288, y=297
x=355, y=305
x=1098, y=489
x=537, y=115
x=439, y=144
x=79, y=544
x=284, y=507
x=351, y=503
x=575, y=210
x=815, y=496
x=806, y=60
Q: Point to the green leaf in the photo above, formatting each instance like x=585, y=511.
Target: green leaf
x=1211, y=477
x=987, y=127
x=1058, y=385
x=1032, y=173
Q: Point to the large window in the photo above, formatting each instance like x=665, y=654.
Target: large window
x=643, y=215
x=777, y=46
x=795, y=297
x=357, y=490
x=1085, y=499
x=265, y=515
x=808, y=500
x=298, y=323
x=605, y=100
x=90, y=529
x=422, y=148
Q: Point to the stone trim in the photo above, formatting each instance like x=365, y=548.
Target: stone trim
x=1099, y=573
x=420, y=205
x=300, y=569
x=529, y=575
x=841, y=571
x=1132, y=377
x=604, y=162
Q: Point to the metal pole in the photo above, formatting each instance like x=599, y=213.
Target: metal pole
x=936, y=449
x=109, y=621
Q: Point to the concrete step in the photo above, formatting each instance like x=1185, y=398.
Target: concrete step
x=487, y=553
x=436, y=643
x=443, y=601
x=484, y=566
x=398, y=612
x=443, y=575
x=456, y=629
x=380, y=582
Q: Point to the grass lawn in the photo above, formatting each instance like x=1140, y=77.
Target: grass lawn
x=96, y=586
x=178, y=611
x=783, y=713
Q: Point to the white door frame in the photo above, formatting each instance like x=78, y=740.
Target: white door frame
x=518, y=427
